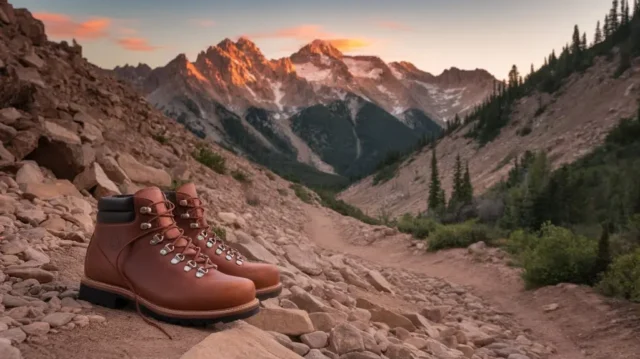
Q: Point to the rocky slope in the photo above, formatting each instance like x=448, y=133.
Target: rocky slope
x=574, y=120
x=231, y=81
x=71, y=135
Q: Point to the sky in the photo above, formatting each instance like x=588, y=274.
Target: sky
x=432, y=34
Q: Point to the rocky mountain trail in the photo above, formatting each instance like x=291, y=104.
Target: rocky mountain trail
x=567, y=125
x=573, y=320
x=71, y=134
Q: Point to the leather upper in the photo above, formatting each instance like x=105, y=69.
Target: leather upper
x=151, y=274
x=262, y=274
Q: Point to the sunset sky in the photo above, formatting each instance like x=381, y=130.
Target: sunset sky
x=433, y=34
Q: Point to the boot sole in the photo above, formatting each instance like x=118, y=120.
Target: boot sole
x=269, y=292
x=113, y=297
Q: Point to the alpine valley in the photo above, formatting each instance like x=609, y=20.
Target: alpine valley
x=318, y=116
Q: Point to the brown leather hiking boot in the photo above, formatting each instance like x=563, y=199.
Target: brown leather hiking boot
x=190, y=217
x=138, y=253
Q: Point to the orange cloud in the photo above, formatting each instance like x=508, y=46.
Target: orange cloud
x=136, y=44
x=60, y=25
x=312, y=32
x=349, y=44
x=392, y=25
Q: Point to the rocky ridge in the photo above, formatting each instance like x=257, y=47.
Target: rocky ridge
x=70, y=134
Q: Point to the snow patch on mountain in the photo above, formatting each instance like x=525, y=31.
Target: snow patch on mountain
x=311, y=72
x=362, y=68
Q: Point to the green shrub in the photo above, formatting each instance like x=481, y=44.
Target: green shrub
x=302, y=193
x=160, y=139
x=459, y=235
x=210, y=159
x=623, y=277
x=419, y=227
x=270, y=176
x=220, y=232
x=240, y=176
x=283, y=192
x=558, y=256
x=386, y=173
x=328, y=199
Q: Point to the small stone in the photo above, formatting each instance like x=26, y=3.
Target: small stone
x=12, y=301
x=40, y=275
x=6, y=350
x=551, y=307
x=315, y=354
x=58, y=319
x=285, y=321
x=315, y=340
x=379, y=282
x=16, y=335
x=346, y=338
x=37, y=328
x=299, y=348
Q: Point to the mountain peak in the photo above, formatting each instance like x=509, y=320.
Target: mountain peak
x=320, y=47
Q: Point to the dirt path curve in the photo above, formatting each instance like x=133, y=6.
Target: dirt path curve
x=585, y=326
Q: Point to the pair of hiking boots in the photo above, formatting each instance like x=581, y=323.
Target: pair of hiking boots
x=156, y=248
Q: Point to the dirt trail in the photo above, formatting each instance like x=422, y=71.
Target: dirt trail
x=584, y=326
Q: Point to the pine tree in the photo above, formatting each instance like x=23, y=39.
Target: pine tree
x=607, y=27
x=532, y=71
x=603, y=260
x=456, y=196
x=467, y=187
x=513, y=76
x=613, y=17
x=575, y=45
x=435, y=189
x=625, y=13
x=598, y=36
x=583, y=46
x=636, y=8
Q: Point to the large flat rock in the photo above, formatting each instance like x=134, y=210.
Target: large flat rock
x=240, y=341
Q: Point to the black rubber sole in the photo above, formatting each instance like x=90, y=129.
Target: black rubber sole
x=268, y=295
x=116, y=301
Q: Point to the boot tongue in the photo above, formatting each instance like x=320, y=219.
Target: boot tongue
x=155, y=195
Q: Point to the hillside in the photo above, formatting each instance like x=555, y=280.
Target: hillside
x=576, y=118
x=232, y=82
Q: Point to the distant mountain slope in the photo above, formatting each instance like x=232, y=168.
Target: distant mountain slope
x=575, y=119
x=284, y=104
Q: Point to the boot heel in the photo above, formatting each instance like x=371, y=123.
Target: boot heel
x=102, y=298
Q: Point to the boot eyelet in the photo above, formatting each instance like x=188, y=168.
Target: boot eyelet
x=145, y=210
x=218, y=251
x=190, y=265
x=177, y=259
x=200, y=237
x=239, y=262
x=183, y=203
x=210, y=243
x=228, y=257
x=156, y=239
x=201, y=272
x=185, y=216
x=167, y=249
x=194, y=225
x=145, y=226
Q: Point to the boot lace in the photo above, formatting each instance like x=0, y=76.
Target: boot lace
x=195, y=212
x=182, y=245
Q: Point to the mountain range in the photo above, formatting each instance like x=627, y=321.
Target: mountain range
x=315, y=113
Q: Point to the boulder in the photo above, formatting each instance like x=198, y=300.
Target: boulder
x=345, y=338
x=391, y=319
x=239, y=341
x=304, y=259
x=143, y=174
x=284, y=321
x=29, y=172
x=94, y=179
x=378, y=281
x=47, y=191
